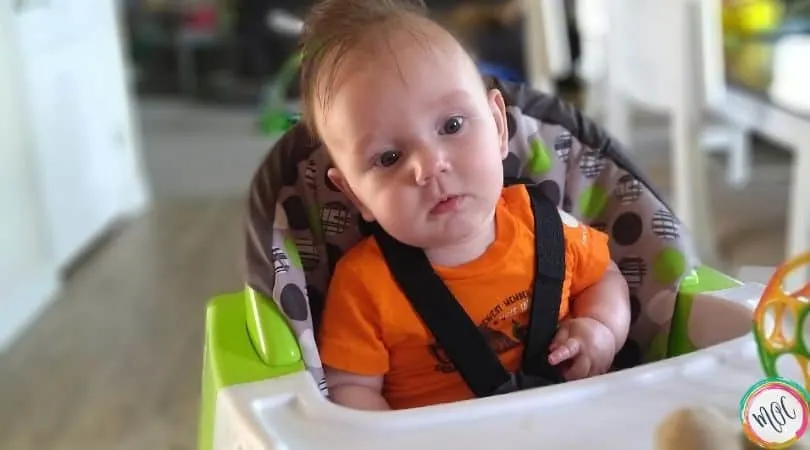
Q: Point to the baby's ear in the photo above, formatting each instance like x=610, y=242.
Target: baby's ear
x=498, y=107
x=337, y=178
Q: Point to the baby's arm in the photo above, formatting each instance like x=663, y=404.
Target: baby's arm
x=599, y=319
x=356, y=391
x=608, y=302
x=351, y=331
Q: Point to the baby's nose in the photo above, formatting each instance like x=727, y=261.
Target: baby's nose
x=429, y=164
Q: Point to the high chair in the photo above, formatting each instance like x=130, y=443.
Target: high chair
x=263, y=383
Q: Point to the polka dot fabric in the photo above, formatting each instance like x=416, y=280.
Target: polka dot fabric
x=647, y=242
x=300, y=224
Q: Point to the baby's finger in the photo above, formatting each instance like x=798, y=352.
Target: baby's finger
x=567, y=350
x=560, y=337
x=579, y=369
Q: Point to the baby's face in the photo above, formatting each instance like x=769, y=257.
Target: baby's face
x=417, y=141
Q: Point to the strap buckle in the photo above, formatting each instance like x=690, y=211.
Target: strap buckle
x=519, y=381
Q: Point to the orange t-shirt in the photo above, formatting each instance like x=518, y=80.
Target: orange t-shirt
x=369, y=327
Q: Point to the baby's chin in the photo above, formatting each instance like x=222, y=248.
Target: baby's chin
x=433, y=236
x=432, y=241
x=429, y=231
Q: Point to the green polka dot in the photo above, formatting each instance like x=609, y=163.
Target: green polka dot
x=292, y=252
x=539, y=159
x=592, y=202
x=314, y=216
x=691, y=280
x=680, y=344
x=668, y=266
x=658, y=348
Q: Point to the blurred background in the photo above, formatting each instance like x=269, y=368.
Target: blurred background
x=131, y=130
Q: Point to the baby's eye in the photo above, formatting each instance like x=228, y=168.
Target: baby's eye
x=388, y=158
x=453, y=125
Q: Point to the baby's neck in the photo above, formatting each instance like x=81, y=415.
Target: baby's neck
x=463, y=251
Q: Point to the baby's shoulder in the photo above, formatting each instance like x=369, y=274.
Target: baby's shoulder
x=362, y=273
x=515, y=196
x=363, y=257
x=517, y=201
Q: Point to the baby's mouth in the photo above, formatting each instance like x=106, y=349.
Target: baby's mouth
x=447, y=204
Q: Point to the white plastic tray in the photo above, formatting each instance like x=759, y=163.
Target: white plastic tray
x=614, y=411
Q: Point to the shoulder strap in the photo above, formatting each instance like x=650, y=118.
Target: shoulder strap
x=446, y=319
x=453, y=329
x=548, y=281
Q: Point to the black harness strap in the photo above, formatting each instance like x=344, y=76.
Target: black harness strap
x=548, y=282
x=455, y=332
x=450, y=325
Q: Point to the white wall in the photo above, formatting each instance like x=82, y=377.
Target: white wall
x=86, y=146
x=28, y=278
x=69, y=155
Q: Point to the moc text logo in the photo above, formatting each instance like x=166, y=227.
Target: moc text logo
x=774, y=413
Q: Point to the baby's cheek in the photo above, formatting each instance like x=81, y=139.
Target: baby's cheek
x=392, y=205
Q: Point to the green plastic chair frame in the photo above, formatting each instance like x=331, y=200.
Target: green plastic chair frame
x=248, y=340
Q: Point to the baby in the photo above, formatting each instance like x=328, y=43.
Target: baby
x=417, y=142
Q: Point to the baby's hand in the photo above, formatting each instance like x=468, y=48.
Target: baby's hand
x=586, y=344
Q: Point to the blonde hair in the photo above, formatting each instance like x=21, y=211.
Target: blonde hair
x=332, y=29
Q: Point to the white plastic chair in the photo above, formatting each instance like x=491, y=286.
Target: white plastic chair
x=592, y=25
x=665, y=57
x=547, y=52
x=627, y=62
x=784, y=117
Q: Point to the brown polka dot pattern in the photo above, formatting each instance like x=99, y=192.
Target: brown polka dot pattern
x=639, y=225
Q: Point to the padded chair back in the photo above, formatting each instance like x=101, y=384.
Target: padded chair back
x=299, y=224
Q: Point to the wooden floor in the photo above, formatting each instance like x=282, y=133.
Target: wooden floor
x=115, y=362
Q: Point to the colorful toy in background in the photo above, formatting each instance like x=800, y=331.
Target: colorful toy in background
x=500, y=71
x=202, y=18
x=751, y=17
x=780, y=322
x=747, y=29
x=277, y=113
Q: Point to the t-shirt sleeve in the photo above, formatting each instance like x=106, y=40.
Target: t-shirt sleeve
x=350, y=336
x=588, y=253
